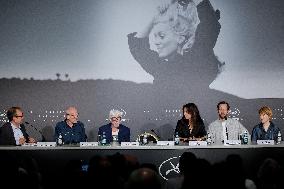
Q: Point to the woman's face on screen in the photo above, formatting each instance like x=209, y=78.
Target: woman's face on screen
x=164, y=39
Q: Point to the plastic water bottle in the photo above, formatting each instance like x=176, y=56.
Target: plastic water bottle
x=209, y=139
x=103, y=141
x=145, y=140
x=115, y=140
x=176, y=139
x=279, y=138
x=60, y=140
x=245, y=137
x=99, y=139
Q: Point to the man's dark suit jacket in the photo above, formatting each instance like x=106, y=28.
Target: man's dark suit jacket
x=123, y=134
x=7, y=134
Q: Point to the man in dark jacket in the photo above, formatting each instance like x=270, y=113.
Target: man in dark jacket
x=14, y=132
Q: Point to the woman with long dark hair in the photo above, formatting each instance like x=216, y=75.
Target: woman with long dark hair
x=190, y=126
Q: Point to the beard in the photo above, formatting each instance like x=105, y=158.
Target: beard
x=223, y=116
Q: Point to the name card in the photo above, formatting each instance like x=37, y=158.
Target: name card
x=84, y=144
x=197, y=143
x=232, y=142
x=46, y=144
x=165, y=143
x=29, y=144
x=129, y=144
x=271, y=142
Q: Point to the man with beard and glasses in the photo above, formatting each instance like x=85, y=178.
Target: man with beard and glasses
x=225, y=128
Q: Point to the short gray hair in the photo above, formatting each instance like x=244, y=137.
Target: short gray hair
x=115, y=113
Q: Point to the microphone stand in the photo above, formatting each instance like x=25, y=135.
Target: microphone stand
x=227, y=133
x=42, y=136
x=155, y=133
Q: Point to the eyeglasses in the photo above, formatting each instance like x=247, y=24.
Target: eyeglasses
x=115, y=118
x=183, y=2
x=72, y=115
x=19, y=116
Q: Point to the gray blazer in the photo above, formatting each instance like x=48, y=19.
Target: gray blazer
x=235, y=128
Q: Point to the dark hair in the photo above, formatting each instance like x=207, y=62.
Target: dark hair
x=12, y=112
x=223, y=102
x=192, y=109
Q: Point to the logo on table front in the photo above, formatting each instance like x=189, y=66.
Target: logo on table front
x=169, y=168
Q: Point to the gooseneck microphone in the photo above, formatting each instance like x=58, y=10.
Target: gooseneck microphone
x=155, y=133
x=43, y=138
x=227, y=137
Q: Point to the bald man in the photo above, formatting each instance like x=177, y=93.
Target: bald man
x=71, y=130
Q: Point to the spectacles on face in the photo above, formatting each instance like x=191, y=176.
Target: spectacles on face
x=72, y=115
x=115, y=118
x=17, y=116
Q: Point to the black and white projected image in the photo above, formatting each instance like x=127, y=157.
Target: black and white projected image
x=146, y=58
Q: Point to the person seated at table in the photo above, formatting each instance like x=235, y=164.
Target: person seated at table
x=190, y=126
x=266, y=129
x=114, y=129
x=14, y=132
x=71, y=130
x=225, y=128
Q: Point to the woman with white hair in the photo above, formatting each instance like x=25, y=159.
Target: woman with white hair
x=115, y=130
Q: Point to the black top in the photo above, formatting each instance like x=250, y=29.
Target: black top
x=123, y=134
x=184, y=132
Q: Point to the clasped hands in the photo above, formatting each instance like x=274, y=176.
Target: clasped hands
x=22, y=140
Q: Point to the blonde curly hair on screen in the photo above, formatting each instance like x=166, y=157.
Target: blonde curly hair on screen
x=115, y=113
x=182, y=21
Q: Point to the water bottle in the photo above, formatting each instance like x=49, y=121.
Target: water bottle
x=279, y=138
x=176, y=139
x=245, y=137
x=99, y=139
x=103, y=141
x=209, y=139
x=60, y=140
x=145, y=140
x=115, y=140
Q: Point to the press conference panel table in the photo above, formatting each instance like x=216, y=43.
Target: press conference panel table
x=165, y=157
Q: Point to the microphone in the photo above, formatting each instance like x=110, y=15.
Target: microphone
x=227, y=133
x=155, y=133
x=43, y=138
